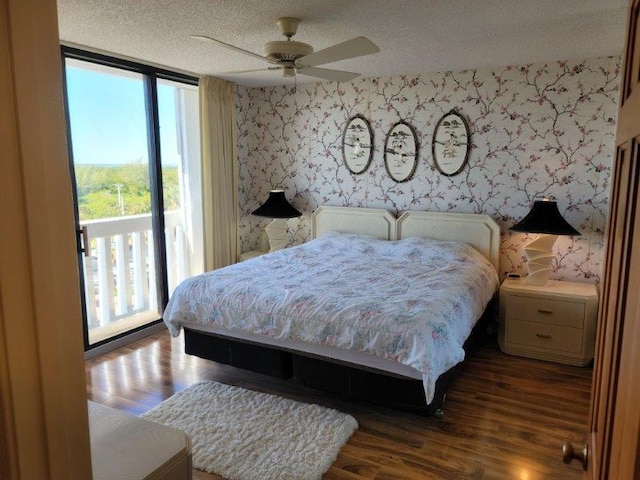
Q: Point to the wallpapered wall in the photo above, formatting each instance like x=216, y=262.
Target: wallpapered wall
x=536, y=130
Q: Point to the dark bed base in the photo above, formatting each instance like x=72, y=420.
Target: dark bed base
x=349, y=380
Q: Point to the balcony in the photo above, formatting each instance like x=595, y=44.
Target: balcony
x=120, y=273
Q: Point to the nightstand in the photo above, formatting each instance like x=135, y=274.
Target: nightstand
x=251, y=254
x=555, y=322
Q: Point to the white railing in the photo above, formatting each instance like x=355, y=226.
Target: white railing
x=120, y=273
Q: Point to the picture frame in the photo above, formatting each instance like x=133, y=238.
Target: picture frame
x=357, y=144
x=451, y=144
x=401, y=152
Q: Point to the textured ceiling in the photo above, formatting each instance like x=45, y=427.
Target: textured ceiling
x=414, y=36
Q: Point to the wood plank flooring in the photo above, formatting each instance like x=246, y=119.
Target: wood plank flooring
x=506, y=417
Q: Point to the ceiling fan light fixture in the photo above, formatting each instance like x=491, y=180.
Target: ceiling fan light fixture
x=288, y=71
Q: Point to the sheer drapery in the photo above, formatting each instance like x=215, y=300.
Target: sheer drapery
x=219, y=172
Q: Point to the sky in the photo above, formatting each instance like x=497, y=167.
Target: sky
x=108, y=120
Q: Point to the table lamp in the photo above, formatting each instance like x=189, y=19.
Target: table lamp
x=279, y=209
x=545, y=219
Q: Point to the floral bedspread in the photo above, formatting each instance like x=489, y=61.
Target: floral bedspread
x=414, y=301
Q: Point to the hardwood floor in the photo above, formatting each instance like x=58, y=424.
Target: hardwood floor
x=506, y=417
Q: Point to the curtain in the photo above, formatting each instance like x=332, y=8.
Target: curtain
x=218, y=134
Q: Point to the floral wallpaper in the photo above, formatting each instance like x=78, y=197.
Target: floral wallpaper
x=540, y=130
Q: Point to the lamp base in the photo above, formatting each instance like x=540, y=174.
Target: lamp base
x=277, y=233
x=539, y=258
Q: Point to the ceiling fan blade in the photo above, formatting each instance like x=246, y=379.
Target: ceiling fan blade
x=230, y=47
x=356, y=47
x=250, y=71
x=327, y=74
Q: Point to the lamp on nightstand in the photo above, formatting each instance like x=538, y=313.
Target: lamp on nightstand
x=280, y=210
x=545, y=219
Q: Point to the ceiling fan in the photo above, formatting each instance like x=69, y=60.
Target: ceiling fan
x=293, y=57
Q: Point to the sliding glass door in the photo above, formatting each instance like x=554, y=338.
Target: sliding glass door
x=135, y=163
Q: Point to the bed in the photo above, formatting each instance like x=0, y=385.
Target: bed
x=367, y=309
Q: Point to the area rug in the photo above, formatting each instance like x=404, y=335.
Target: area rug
x=244, y=435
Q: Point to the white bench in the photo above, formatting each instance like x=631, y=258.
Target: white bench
x=125, y=447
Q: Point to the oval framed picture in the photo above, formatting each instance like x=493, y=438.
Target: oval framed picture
x=357, y=144
x=450, y=146
x=401, y=152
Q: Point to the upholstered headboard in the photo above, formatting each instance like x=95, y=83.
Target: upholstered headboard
x=369, y=221
x=479, y=231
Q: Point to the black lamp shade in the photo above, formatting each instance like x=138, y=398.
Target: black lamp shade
x=544, y=217
x=276, y=206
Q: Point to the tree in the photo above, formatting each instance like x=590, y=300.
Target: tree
x=119, y=190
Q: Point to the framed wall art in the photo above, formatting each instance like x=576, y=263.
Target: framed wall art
x=357, y=144
x=401, y=152
x=450, y=146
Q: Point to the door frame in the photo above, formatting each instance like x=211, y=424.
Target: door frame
x=44, y=428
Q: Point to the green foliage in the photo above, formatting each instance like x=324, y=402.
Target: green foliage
x=119, y=190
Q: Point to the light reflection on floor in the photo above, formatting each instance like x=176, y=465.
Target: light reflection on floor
x=132, y=375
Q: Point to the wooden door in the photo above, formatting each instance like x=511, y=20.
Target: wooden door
x=613, y=442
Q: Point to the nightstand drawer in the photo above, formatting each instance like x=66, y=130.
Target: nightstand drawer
x=540, y=335
x=543, y=310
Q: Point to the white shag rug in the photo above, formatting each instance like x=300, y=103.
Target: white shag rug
x=245, y=435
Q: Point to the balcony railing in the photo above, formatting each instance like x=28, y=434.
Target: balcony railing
x=120, y=273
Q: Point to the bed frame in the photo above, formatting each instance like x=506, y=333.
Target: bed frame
x=343, y=377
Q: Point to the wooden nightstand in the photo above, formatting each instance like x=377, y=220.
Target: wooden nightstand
x=554, y=322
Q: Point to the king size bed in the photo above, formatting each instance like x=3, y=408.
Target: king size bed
x=374, y=307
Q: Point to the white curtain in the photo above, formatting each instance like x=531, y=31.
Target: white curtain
x=218, y=134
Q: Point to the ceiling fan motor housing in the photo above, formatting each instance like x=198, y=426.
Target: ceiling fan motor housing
x=285, y=53
x=286, y=50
